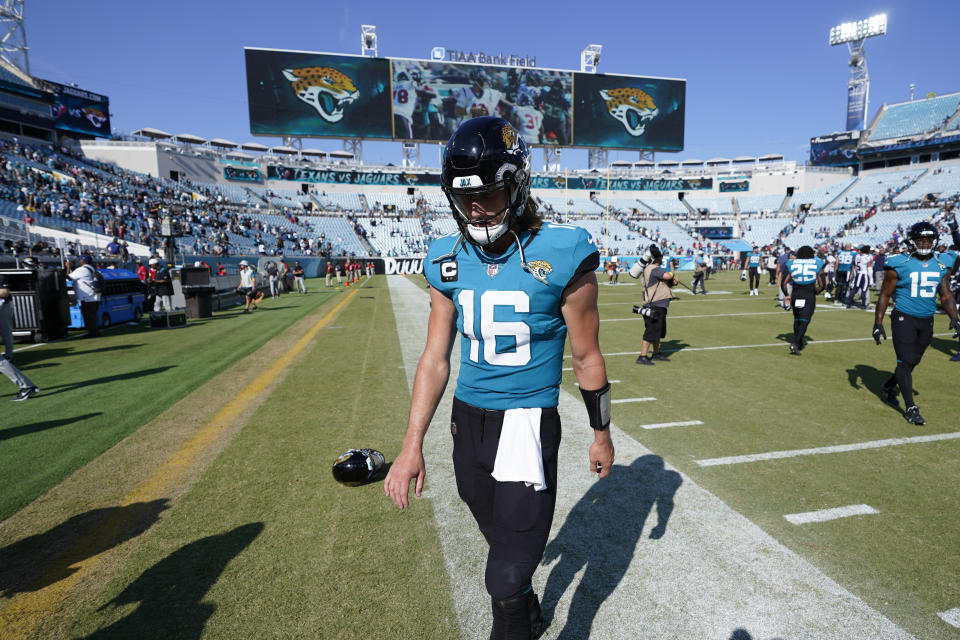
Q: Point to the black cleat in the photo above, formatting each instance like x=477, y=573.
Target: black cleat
x=890, y=394
x=26, y=392
x=912, y=414
x=644, y=360
x=955, y=357
x=794, y=349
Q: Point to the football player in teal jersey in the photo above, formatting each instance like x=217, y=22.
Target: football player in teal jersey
x=805, y=276
x=514, y=288
x=753, y=268
x=845, y=258
x=913, y=279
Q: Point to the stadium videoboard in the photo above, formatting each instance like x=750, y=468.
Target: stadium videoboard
x=835, y=150
x=344, y=96
x=80, y=111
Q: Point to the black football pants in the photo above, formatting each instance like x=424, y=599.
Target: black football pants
x=803, y=301
x=513, y=517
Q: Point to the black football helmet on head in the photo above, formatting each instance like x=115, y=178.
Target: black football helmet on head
x=357, y=466
x=484, y=155
x=922, y=230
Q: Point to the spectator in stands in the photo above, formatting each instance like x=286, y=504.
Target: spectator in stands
x=87, y=294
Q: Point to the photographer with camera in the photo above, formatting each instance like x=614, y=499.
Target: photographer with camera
x=657, y=294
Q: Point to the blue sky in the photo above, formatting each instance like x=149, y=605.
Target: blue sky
x=761, y=77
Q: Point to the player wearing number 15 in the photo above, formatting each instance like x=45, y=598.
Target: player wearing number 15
x=913, y=279
x=514, y=288
x=805, y=272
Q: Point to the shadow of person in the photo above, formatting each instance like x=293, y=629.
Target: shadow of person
x=71, y=386
x=43, y=425
x=600, y=535
x=38, y=561
x=171, y=592
x=673, y=346
x=944, y=345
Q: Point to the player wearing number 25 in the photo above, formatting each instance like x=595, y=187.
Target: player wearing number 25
x=514, y=288
x=913, y=280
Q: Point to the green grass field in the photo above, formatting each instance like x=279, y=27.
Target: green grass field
x=176, y=484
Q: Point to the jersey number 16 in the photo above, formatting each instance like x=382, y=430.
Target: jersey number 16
x=490, y=328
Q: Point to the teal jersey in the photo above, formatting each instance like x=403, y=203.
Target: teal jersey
x=512, y=332
x=845, y=260
x=949, y=258
x=804, y=270
x=917, y=284
x=753, y=260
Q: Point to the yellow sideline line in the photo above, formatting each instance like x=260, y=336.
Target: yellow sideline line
x=27, y=609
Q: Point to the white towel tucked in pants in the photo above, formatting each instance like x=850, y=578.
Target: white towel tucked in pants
x=519, y=457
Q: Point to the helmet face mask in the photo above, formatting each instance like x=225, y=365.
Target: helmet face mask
x=922, y=237
x=486, y=177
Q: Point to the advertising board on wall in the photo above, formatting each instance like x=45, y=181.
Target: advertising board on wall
x=344, y=96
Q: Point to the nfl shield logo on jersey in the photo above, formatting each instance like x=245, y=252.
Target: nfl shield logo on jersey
x=493, y=270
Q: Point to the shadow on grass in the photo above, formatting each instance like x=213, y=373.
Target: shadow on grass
x=33, y=427
x=170, y=593
x=62, y=388
x=600, y=535
x=872, y=380
x=673, y=346
x=39, y=561
x=34, y=358
x=945, y=345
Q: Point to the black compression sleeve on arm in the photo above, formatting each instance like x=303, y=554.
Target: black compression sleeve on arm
x=598, y=406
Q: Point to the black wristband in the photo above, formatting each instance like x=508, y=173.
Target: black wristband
x=598, y=406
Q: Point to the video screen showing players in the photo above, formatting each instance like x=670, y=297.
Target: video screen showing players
x=430, y=99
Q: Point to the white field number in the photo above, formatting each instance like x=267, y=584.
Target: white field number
x=491, y=328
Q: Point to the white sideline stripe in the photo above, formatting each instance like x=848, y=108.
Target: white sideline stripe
x=747, y=346
x=781, y=312
x=577, y=384
x=709, y=557
x=824, y=515
x=839, y=448
x=624, y=400
x=951, y=617
x=664, y=425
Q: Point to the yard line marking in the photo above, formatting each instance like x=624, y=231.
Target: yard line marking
x=625, y=400
x=824, y=515
x=649, y=556
x=716, y=315
x=951, y=617
x=26, y=610
x=746, y=346
x=577, y=384
x=664, y=425
x=838, y=448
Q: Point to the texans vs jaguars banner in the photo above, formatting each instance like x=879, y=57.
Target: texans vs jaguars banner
x=80, y=111
x=627, y=112
x=343, y=96
x=298, y=93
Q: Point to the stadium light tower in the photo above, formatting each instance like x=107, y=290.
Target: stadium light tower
x=853, y=34
x=13, y=45
x=368, y=40
x=589, y=59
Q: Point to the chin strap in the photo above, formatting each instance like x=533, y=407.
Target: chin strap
x=523, y=261
x=453, y=252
